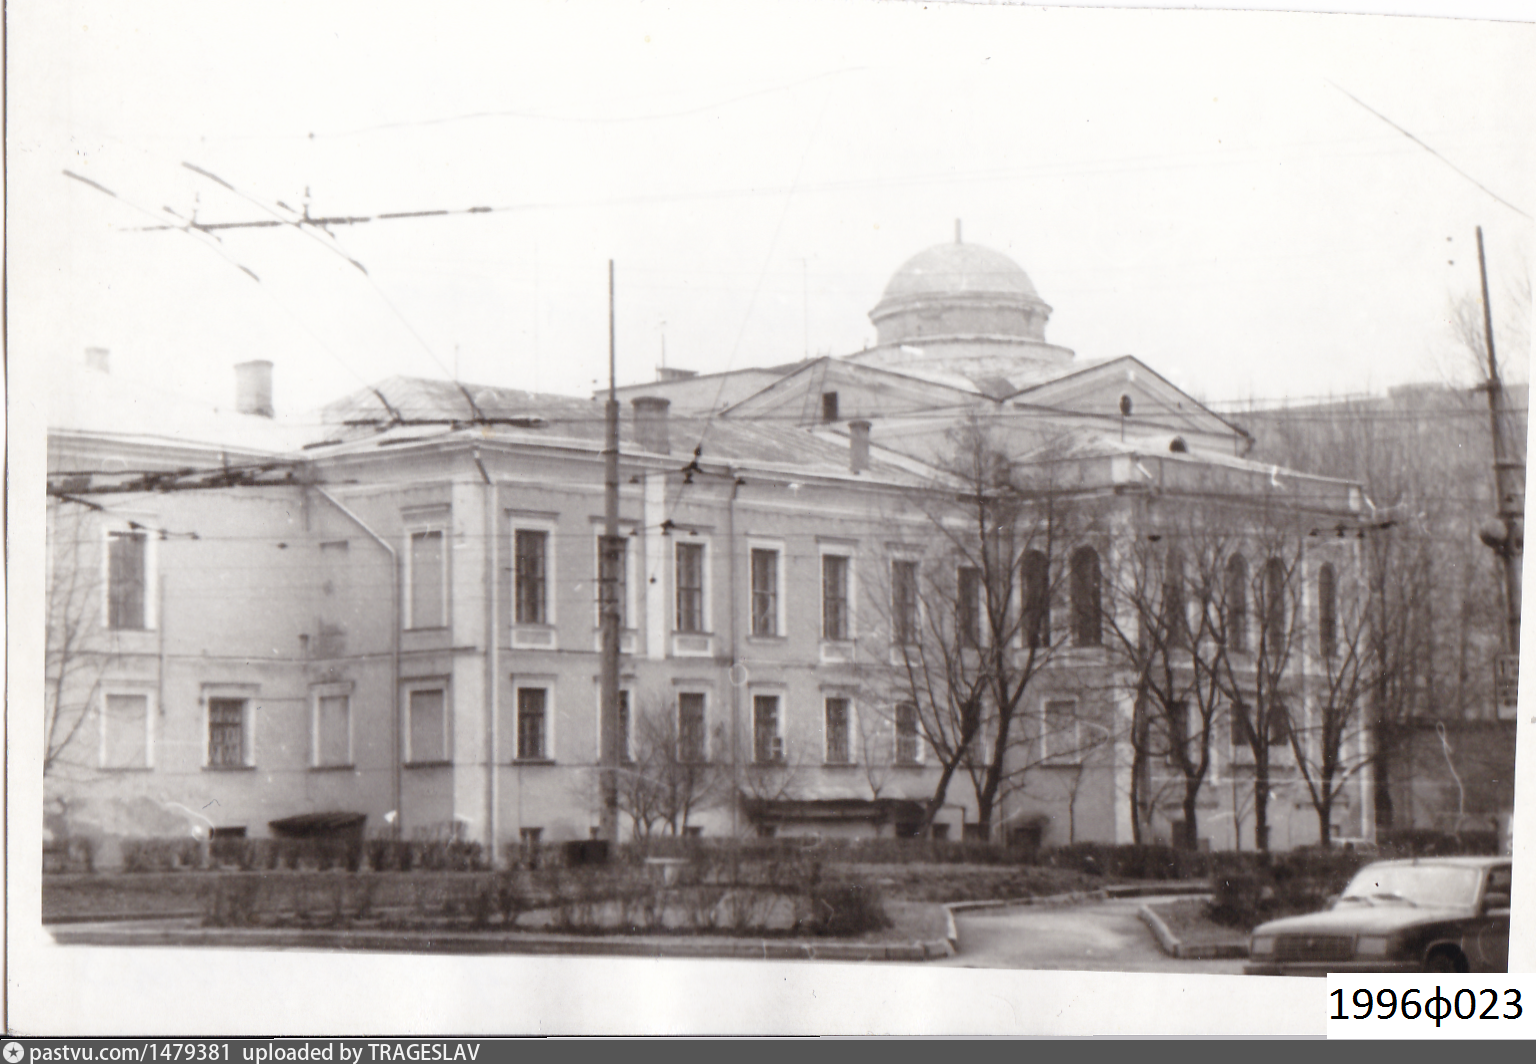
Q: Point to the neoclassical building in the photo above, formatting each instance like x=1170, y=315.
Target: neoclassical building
x=394, y=614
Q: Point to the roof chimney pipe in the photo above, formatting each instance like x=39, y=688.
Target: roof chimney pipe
x=858, y=445
x=253, y=388
x=96, y=359
x=651, y=423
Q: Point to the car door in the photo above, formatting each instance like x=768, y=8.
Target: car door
x=1492, y=940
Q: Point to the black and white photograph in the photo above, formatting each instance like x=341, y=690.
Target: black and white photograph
x=860, y=518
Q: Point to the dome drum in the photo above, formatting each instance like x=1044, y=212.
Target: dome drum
x=978, y=314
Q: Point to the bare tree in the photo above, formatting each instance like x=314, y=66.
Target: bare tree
x=77, y=650
x=1329, y=744
x=1169, y=624
x=969, y=616
x=1274, y=584
x=667, y=779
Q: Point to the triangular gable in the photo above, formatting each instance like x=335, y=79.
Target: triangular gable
x=862, y=392
x=1156, y=403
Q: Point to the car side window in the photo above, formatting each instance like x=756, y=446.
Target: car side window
x=1498, y=881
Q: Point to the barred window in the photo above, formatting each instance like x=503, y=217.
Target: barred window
x=226, y=732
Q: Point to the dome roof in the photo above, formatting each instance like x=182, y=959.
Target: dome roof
x=959, y=269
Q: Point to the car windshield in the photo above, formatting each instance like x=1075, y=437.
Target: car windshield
x=1430, y=885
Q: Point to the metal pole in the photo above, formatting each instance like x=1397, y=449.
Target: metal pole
x=612, y=557
x=1505, y=485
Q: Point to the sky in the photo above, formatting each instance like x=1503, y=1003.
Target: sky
x=1195, y=188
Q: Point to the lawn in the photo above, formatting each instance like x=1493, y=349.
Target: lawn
x=1187, y=919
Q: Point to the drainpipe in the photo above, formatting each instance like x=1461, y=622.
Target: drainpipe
x=492, y=669
x=730, y=676
x=394, y=568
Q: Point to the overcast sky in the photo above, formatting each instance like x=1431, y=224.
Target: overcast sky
x=1194, y=188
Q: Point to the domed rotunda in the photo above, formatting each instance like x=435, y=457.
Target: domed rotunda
x=965, y=310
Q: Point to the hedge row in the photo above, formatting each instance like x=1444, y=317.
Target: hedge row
x=763, y=898
x=1159, y=862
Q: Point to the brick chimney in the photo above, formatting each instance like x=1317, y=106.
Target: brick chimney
x=651, y=423
x=96, y=359
x=253, y=387
x=858, y=445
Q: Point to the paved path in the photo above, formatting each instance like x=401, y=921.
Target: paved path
x=1091, y=936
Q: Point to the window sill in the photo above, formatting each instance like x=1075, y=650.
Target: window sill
x=839, y=764
x=348, y=767
x=120, y=769
x=907, y=764
x=767, y=637
x=533, y=761
x=429, y=628
x=443, y=763
x=229, y=768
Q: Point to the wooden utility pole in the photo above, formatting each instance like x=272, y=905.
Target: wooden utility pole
x=1508, y=476
x=609, y=579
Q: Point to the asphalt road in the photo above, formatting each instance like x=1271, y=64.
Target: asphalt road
x=1092, y=936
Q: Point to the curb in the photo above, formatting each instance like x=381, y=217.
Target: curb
x=1173, y=946
x=115, y=934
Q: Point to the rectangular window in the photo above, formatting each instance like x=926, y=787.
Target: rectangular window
x=839, y=746
x=1060, y=736
x=690, y=728
x=532, y=724
x=333, y=730
x=829, y=406
x=904, y=602
x=968, y=605
x=1241, y=726
x=125, y=731
x=428, y=587
x=530, y=551
x=834, y=597
x=126, y=579
x=226, y=732
x=428, y=728
x=767, y=744
x=690, y=587
x=765, y=592
x=907, y=748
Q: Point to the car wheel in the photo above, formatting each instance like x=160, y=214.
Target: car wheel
x=1444, y=960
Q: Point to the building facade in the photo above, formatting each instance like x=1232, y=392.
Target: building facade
x=396, y=615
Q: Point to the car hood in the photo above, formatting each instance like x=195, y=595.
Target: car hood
x=1360, y=918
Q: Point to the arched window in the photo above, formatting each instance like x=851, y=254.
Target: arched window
x=1175, y=604
x=1237, y=603
x=1274, y=606
x=1327, y=611
x=1037, y=599
x=1087, y=613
